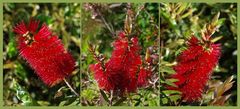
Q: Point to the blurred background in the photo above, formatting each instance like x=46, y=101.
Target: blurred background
x=21, y=84
x=177, y=22
x=101, y=24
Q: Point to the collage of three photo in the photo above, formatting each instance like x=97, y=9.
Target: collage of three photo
x=120, y=54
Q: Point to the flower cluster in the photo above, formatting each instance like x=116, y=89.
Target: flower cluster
x=194, y=68
x=124, y=71
x=44, y=52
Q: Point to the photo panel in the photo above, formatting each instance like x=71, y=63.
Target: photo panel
x=198, y=63
x=41, y=54
x=119, y=54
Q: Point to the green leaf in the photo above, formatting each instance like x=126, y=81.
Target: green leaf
x=171, y=92
x=170, y=82
x=88, y=94
x=216, y=39
x=164, y=100
x=69, y=101
x=20, y=71
x=168, y=18
x=220, y=21
x=174, y=98
x=76, y=102
x=120, y=101
x=153, y=102
x=167, y=69
x=179, y=51
x=23, y=95
x=62, y=103
x=215, y=18
x=104, y=95
x=182, y=8
x=11, y=47
x=190, y=11
x=43, y=103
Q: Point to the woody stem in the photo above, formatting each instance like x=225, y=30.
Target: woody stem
x=71, y=87
x=96, y=57
x=111, y=98
x=105, y=22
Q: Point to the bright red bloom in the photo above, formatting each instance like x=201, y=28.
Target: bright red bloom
x=143, y=77
x=194, y=68
x=44, y=52
x=120, y=72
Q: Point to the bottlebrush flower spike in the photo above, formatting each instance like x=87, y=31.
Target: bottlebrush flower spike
x=120, y=72
x=194, y=68
x=44, y=52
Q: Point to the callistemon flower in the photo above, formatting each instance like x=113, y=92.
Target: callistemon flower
x=122, y=71
x=143, y=77
x=194, y=68
x=44, y=52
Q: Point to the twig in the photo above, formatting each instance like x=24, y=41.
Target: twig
x=120, y=101
x=104, y=21
x=111, y=98
x=71, y=87
x=180, y=102
x=140, y=8
x=98, y=58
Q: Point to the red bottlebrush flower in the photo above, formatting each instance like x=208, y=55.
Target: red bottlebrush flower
x=143, y=76
x=44, y=52
x=120, y=71
x=194, y=68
